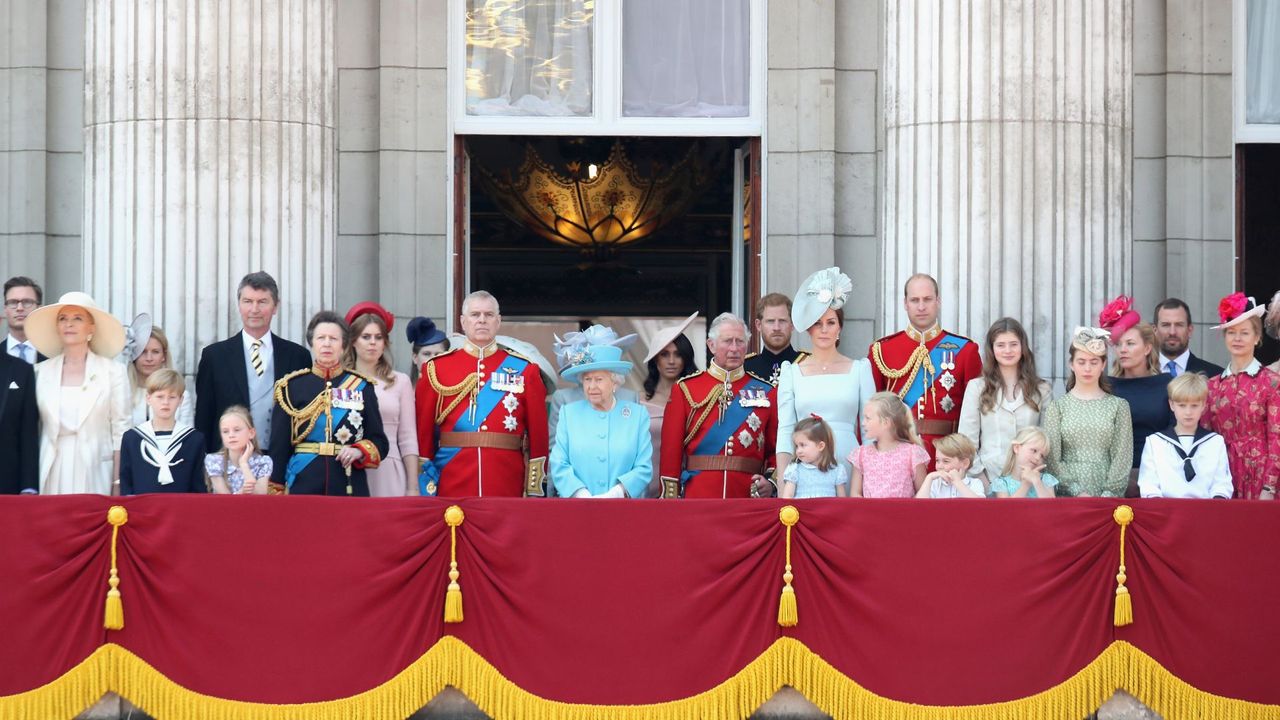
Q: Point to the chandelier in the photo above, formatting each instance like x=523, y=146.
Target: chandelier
x=596, y=207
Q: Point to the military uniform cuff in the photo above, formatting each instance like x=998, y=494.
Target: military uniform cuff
x=670, y=487
x=535, y=477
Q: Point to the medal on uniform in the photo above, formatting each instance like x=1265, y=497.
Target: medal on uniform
x=753, y=397
x=507, y=380
x=726, y=397
x=753, y=422
x=947, y=403
x=745, y=439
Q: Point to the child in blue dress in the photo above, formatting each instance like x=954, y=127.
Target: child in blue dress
x=238, y=468
x=1023, y=474
x=815, y=473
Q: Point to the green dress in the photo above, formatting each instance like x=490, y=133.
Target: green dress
x=1090, y=445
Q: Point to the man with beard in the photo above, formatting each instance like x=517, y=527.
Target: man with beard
x=1173, y=330
x=773, y=326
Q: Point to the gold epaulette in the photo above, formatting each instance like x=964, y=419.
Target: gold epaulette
x=801, y=357
x=748, y=373
x=750, y=355
x=296, y=373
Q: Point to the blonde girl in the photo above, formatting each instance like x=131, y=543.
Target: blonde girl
x=895, y=465
x=1023, y=474
x=816, y=472
x=238, y=468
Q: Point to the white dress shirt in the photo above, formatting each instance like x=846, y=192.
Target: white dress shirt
x=27, y=353
x=1181, y=361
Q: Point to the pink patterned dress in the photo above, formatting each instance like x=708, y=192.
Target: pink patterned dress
x=888, y=474
x=1244, y=408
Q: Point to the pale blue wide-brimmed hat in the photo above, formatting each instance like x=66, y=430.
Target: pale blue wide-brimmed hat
x=596, y=357
x=828, y=288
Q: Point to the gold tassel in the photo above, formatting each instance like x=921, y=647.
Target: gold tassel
x=1124, y=603
x=113, y=618
x=453, y=517
x=787, y=614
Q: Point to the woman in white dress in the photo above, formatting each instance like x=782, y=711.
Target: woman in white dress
x=82, y=394
x=827, y=384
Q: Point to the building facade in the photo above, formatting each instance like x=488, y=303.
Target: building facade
x=1038, y=159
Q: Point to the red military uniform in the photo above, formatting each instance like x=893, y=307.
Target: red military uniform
x=719, y=429
x=482, y=423
x=929, y=371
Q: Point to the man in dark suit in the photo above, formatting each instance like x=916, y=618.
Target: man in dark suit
x=1173, y=330
x=21, y=296
x=19, y=446
x=243, y=369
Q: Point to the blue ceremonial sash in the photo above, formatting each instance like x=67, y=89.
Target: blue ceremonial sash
x=486, y=400
x=713, y=442
x=299, y=461
x=918, y=388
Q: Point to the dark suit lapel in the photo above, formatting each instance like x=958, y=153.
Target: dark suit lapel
x=6, y=377
x=239, y=371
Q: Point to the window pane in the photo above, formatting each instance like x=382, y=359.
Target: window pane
x=1262, y=72
x=686, y=58
x=529, y=57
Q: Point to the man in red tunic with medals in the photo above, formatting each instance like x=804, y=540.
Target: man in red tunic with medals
x=482, y=414
x=925, y=365
x=720, y=425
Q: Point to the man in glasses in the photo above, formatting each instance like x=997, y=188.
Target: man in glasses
x=21, y=296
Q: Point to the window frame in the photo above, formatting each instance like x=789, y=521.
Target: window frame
x=606, y=90
x=1243, y=130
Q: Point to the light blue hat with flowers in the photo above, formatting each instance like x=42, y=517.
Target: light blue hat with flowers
x=596, y=348
x=828, y=288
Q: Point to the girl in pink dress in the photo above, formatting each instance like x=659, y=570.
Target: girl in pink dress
x=894, y=467
x=1244, y=403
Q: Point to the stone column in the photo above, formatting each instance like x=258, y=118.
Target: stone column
x=1008, y=170
x=209, y=153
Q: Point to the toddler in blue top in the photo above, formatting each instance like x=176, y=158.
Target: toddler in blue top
x=816, y=472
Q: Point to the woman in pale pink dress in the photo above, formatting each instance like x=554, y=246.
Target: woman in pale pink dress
x=370, y=355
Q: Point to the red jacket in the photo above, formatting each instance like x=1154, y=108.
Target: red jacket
x=694, y=412
x=517, y=423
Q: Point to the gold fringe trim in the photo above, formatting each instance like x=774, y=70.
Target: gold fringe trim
x=787, y=662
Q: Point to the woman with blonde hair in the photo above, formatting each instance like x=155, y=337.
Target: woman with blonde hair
x=369, y=354
x=82, y=394
x=1136, y=377
x=146, y=356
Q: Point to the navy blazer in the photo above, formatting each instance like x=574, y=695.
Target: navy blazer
x=222, y=380
x=19, y=427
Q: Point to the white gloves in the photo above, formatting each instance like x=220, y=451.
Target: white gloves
x=581, y=493
x=614, y=492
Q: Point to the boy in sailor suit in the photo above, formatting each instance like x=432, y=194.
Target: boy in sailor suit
x=1186, y=460
x=160, y=455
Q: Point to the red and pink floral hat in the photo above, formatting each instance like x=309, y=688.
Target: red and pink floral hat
x=1118, y=316
x=1236, y=308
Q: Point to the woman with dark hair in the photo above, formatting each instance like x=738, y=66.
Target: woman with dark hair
x=370, y=355
x=327, y=429
x=670, y=358
x=1008, y=397
x=1090, y=431
x=427, y=342
x=826, y=383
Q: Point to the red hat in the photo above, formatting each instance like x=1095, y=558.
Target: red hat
x=367, y=307
x=1118, y=316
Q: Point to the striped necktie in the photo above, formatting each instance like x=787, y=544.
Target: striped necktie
x=254, y=358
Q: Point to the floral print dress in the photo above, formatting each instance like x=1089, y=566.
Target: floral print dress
x=1244, y=408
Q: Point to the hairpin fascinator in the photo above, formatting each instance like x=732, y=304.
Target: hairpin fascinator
x=1118, y=316
x=1091, y=340
x=136, y=336
x=828, y=288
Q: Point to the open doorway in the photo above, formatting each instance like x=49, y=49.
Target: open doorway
x=1258, y=228
x=636, y=233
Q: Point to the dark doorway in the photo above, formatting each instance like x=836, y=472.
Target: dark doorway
x=684, y=263
x=1258, y=228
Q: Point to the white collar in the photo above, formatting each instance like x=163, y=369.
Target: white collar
x=1181, y=361
x=249, y=341
x=1252, y=369
x=159, y=450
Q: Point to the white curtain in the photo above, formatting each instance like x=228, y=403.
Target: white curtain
x=529, y=57
x=686, y=58
x=1262, y=74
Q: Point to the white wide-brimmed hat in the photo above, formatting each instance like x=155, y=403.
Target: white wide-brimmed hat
x=826, y=288
x=667, y=335
x=42, y=327
x=1232, y=310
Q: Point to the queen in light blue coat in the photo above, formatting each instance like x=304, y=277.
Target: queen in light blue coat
x=602, y=446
